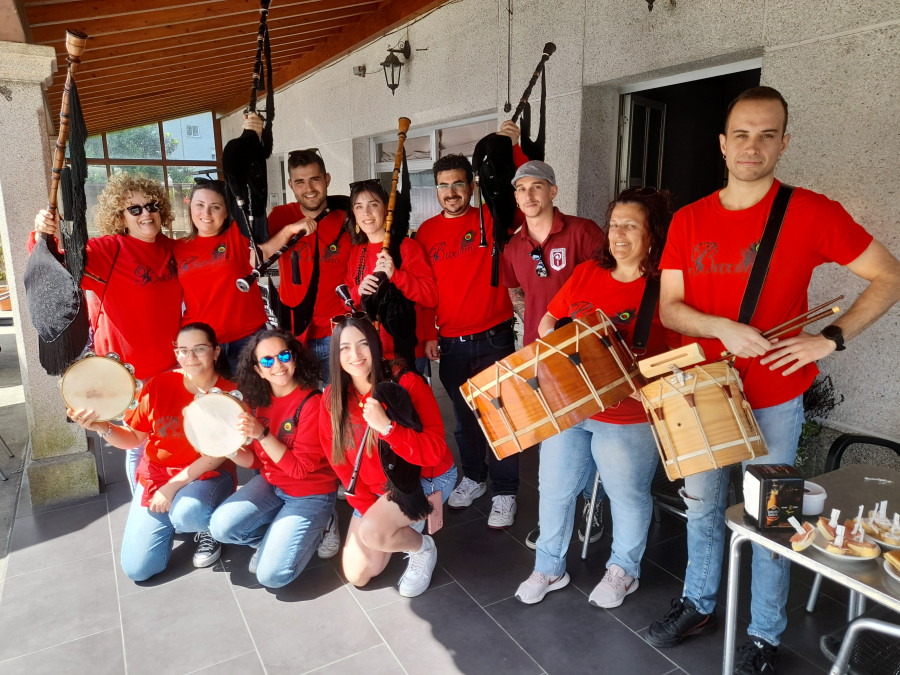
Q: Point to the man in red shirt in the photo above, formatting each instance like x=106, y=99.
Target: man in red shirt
x=538, y=259
x=705, y=267
x=476, y=326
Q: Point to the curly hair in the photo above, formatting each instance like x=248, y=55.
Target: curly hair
x=114, y=198
x=251, y=384
x=451, y=163
x=657, y=206
x=373, y=187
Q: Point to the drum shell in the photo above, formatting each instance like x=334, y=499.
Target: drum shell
x=210, y=424
x=612, y=376
x=99, y=383
x=723, y=431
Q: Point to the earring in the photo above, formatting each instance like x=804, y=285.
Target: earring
x=357, y=228
x=125, y=231
x=723, y=156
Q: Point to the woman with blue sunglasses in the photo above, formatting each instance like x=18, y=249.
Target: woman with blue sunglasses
x=286, y=511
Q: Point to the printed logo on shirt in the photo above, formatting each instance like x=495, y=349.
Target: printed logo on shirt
x=580, y=308
x=439, y=252
x=169, y=427
x=625, y=317
x=558, y=258
x=704, y=260
x=144, y=275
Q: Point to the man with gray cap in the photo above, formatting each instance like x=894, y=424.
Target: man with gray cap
x=538, y=259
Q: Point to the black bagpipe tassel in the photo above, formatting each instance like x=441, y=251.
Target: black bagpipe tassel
x=295, y=268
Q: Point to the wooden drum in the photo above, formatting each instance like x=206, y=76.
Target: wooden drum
x=700, y=417
x=210, y=423
x=100, y=383
x=552, y=384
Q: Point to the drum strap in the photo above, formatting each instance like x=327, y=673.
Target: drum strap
x=645, y=315
x=764, y=253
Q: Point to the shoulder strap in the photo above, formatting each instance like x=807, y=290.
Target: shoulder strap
x=645, y=316
x=303, y=403
x=764, y=254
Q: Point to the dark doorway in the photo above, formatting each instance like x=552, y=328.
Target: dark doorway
x=671, y=135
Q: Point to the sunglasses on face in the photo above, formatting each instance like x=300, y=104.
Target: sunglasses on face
x=541, y=268
x=198, y=351
x=151, y=207
x=284, y=356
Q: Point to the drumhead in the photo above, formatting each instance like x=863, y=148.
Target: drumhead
x=100, y=384
x=210, y=424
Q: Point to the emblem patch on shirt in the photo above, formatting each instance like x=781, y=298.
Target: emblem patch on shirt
x=558, y=258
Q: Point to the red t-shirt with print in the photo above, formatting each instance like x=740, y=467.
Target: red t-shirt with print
x=715, y=248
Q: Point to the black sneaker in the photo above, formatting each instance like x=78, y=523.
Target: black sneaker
x=683, y=620
x=755, y=656
x=596, y=525
x=531, y=539
x=208, y=550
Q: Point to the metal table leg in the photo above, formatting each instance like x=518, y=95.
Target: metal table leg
x=843, y=658
x=734, y=578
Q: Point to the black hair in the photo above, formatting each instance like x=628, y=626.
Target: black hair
x=298, y=158
x=374, y=187
x=256, y=390
x=758, y=94
x=451, y=163
x=221, y=365
x=657, y=206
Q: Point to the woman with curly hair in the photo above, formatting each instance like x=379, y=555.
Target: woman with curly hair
x=287, y=510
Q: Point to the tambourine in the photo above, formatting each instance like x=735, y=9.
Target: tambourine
x=210, y=422
x=100, y=383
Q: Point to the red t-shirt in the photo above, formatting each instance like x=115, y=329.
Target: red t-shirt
x=571, y=241
x=427, y=448
x=303, y=469
x=159, y=413
x=715, y=248
x=590, y=288
x=414, y=278
x=334, y=247
x=208, y=269
x=467, y=303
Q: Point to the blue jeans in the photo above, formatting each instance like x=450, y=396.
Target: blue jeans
x=626, y=457
x=460, y=361
x=147, y=542
x=321, y=350
x=287, y=530
x=705, y=495
x=132, y=460
x=232, y=350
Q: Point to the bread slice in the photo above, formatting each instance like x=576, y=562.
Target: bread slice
x=863, y=549
x=893, y=557
x=824, y=526
x=803, y=541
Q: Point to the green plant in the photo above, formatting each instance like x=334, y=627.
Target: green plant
x=2, y=265
x=818, y=402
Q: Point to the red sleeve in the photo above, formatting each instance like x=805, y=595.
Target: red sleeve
x=427, y=447
x=427, y=319
x=519, y=156
x=279, y=217
x=672, y=258
x=139, y=418
x=305, y=454
x=558, y=307
x=507, y=271
x=415, y=278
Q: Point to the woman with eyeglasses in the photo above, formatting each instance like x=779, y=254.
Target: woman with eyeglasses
x=287, y=510
x=353, y=421
x=410, y=274
x=178, y=489
x=212, y=257
x=619, y=439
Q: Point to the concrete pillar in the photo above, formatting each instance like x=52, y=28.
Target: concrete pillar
x=59, y=467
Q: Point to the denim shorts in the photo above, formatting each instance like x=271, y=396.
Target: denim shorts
x=445, y=483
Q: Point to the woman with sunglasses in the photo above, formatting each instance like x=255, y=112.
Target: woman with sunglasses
x=412, y=276
x=352, y=422
x=178, y=489
x=212, y=257
x=284, y=511
x=618, y=439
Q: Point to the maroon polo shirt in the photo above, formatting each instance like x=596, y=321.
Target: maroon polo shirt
x=571, y=241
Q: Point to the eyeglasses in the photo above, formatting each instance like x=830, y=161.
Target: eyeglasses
x=639, y=192
x=284, y=356
x=368, y=182
x=198, y=351
x=458, y=185
x=541, y=269
x=151, y=207
x=341, y=318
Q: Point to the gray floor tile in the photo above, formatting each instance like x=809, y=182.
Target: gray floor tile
x=378, y=660
x=180, y=565
x=112, y=464
x=118, y=502
x=54, y=605
x=194, y=622
x=57, y=537
x=308, y=624
x=453, y=635
x=670, y=555
x=98, y=654
x=245, y=664
x=804, y=630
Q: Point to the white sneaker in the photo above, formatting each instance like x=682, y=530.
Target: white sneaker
x=331, y=542
x=465, y=493
x=417, y=577
x=535, y=587
x=254, y=562
x=611, y=591
x=503, y=512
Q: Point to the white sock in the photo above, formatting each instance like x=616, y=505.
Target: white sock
x=423, y=547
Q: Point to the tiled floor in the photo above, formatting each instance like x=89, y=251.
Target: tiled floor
x=66, y=607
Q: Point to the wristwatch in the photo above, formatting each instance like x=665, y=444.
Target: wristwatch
x=836, y=335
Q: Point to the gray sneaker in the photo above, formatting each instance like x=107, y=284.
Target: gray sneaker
x=331, y=542
x=417, y=577
x=611, y=591
x=503, y=512
x=465, y=493
x=208, y=550
x=535, y=587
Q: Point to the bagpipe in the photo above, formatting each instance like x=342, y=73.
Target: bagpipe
x=492, y=162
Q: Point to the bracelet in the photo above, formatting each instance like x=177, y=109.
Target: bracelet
x=109, y=430
x=388, y=429
x=265, y=432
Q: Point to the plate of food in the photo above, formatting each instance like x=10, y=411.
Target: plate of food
x=852, y=551
x=892, y=564
x=882, y=543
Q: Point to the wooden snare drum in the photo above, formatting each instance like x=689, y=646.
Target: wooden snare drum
x=210, y=423
x=100, y=383
x=700, y=417
x=552, y=384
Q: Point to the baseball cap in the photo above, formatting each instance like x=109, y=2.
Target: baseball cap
x=535, y=169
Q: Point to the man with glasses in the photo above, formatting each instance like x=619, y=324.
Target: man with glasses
x=537, y=261
x=475, y=321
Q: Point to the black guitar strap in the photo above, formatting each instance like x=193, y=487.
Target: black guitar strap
x=645, y=316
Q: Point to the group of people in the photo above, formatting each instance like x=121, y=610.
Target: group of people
x=377, y=428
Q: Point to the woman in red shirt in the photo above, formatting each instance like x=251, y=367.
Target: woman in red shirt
x=210, y=260
x=407, y=269
x=349, y=415
x=178, y=489
x=284, y=511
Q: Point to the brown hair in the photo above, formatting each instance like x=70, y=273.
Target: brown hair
x=758, y=94
x=114, y=198
x=657, y=206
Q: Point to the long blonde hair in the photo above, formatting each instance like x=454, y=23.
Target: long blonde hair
x=114, y=198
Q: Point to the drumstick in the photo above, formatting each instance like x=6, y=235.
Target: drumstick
x=349, y=491
x=808, y=313
x=772, y=334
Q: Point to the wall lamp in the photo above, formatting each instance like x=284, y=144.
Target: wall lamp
x=392, y=65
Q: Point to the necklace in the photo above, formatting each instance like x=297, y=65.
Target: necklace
x=361, y=268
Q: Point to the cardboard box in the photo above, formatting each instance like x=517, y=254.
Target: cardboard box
x=772, y=494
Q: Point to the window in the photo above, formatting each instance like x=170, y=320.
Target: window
x=192, y=130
